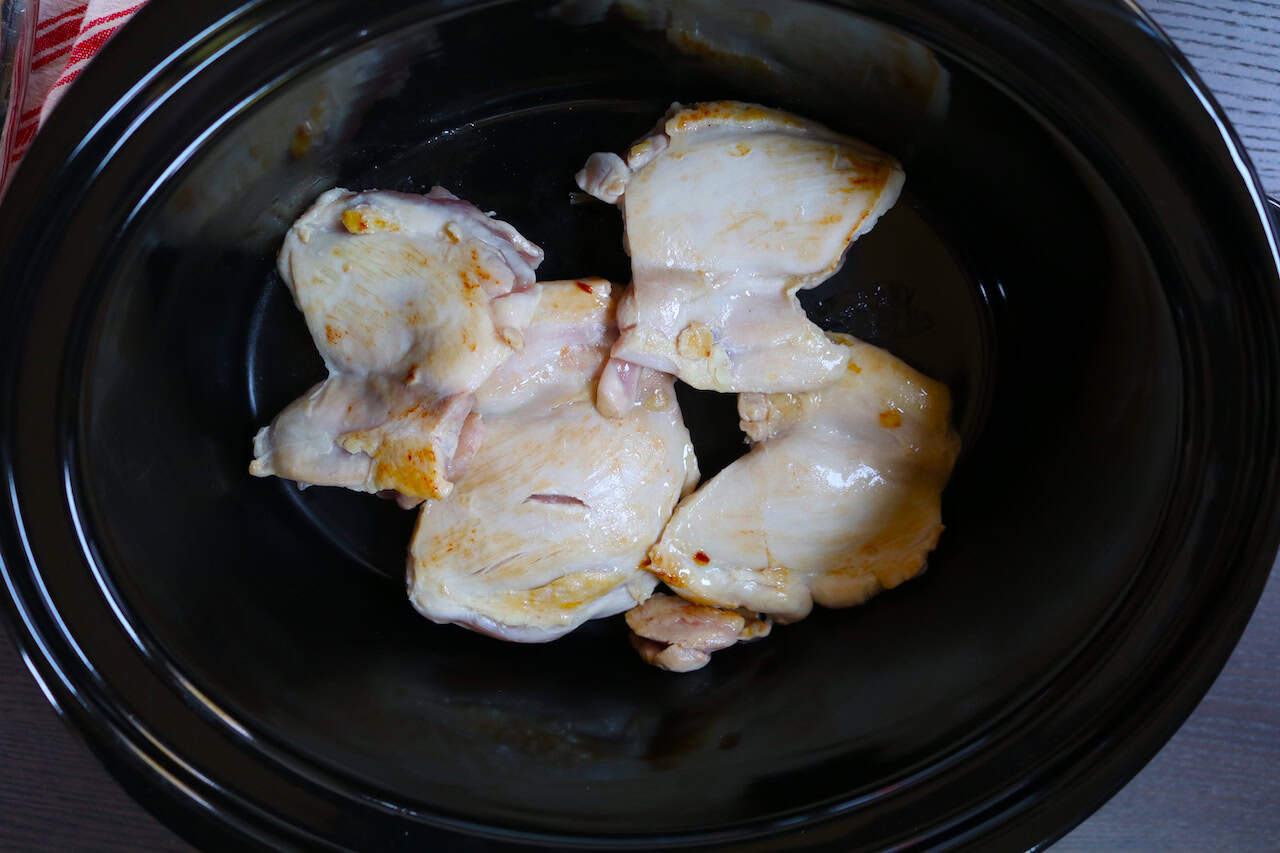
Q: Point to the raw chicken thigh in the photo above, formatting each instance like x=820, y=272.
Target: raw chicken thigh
x=729, y=209
x=679, y=636
x=413, y=302
x=560, y=504
x=838, y=498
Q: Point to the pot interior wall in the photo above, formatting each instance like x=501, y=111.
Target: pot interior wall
x=1008, y=270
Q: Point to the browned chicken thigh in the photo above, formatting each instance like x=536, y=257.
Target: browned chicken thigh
x=413, y=302
x=559, y=506
x=729, y=209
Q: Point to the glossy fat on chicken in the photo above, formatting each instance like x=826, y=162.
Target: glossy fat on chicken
x=729, y=209
x=413, y=302
x=838, y=498
x=560, y=504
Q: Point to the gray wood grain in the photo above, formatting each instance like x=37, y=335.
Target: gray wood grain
x=1215, y=786
x=54, y=795
x=1235, y=45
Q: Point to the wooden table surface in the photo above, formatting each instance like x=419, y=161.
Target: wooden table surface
x=1215, y=786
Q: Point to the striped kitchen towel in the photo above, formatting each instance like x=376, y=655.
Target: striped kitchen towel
x=67, y=36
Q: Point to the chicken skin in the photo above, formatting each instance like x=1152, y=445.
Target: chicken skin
x=729, y=209
x=413, y=302
x=560, y=504
x=838, y=498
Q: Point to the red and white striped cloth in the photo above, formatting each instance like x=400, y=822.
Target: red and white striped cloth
x=68, y=34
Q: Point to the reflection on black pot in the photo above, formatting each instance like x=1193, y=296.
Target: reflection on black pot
x=845, y=69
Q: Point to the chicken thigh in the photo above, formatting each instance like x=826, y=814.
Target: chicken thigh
x=560, y=504
x=838, y=498
x=729, y=209
x=413, y=302
x=679, y=636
